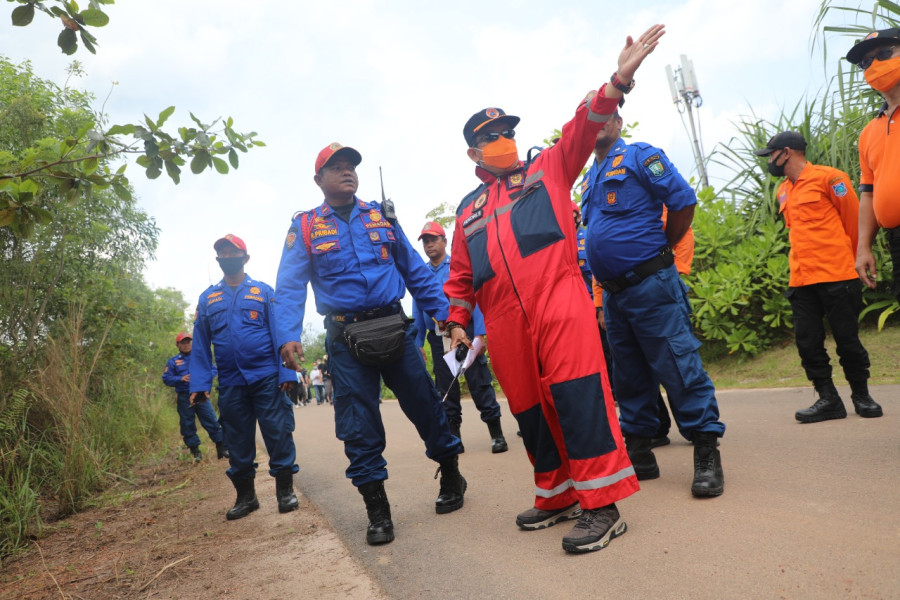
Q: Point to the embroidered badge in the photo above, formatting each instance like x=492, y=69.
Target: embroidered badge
x=481, y=200
x=655, y=166
x=615, y=172
x=492, y=113
x=252, y=297
x=320, y=223
x=610, y=198
x=322, y=233
x=254, y=290
x=390, y=235
x=840, y=189
x=384, y=252
x=214, y=300
x=325, y=247
x=374, y=215
x=373, y=235
x=254, y=315
x=291, y=238
x=618, y=160
x=581, y=262
x=584, y=187
x=473, y=217
x=516, y=179
x=215, y=294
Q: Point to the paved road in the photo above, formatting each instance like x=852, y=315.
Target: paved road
x=809, y=511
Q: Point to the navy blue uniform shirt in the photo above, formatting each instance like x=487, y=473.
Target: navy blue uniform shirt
x=354, y=266
x=622, y=200
x=240, y=324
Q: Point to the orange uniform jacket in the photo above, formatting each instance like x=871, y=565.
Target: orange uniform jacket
x=822, y=211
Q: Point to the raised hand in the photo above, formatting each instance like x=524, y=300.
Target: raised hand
x=635, y=51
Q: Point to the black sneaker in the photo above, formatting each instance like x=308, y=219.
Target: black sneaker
x=535, y=518
x=594, y=530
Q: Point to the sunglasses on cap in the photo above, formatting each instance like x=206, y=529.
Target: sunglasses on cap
x=883, y=53
x=493, y=137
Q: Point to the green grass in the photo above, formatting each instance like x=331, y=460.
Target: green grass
x=780, y=367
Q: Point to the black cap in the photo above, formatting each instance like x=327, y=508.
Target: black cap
x=882, y=37
x=785, y=139
x=482, y=118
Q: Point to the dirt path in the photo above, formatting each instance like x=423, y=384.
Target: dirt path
x=167, y=537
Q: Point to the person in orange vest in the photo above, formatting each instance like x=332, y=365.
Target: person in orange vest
x=821, y=211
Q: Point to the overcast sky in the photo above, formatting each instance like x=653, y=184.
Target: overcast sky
x=397, y=80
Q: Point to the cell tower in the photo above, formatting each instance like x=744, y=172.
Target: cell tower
x=686, y=96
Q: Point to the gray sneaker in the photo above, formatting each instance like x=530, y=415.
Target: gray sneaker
x=594, y=530
x=535, y=518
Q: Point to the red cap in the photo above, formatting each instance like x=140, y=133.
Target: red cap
x=182, y=336
x=575, y=207
x=233, y=240
x=329, y=151
x=432, y=228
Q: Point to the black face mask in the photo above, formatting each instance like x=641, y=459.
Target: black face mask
x=231, y=265
x=775, y=169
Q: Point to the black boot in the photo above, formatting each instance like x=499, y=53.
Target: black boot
x=641, y=457
x=221, y=451
x=246, y=501
x=864, y=404
x=195, y=452
x=284, y=491
x=454, y=429
x=498, y=442
x=453, y=486
x=381, y=528
x=709, y=480
x=828, y=406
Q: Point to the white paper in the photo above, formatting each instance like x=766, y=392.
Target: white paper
x=450, y=357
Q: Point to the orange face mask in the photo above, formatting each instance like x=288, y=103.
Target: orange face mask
x=500, y=154
x=884, y=75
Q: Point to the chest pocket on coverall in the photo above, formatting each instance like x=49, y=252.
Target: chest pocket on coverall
x=805, y=208
x=533, y=220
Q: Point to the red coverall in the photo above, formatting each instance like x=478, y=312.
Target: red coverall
x=512, y=255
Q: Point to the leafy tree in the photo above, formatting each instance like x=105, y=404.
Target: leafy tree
x=74, y=20
x=75, y=156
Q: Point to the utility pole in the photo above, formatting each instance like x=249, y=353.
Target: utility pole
x=686, y=97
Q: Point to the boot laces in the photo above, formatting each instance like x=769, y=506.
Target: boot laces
x=599, y=515
x=706, y=458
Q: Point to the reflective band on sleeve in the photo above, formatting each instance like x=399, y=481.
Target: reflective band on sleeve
x=532, y=177
x=462, y=303
x=597, y=117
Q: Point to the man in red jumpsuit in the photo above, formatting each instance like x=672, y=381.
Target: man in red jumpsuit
x=512, y=255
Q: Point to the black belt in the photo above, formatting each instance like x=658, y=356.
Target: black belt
x=366, y=315
x=641, y=272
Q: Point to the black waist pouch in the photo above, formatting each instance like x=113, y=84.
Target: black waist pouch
x=377, y=342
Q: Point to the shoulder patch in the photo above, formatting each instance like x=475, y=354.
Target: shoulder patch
x=291, y=238
x=840, y=190
x=655, y=166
